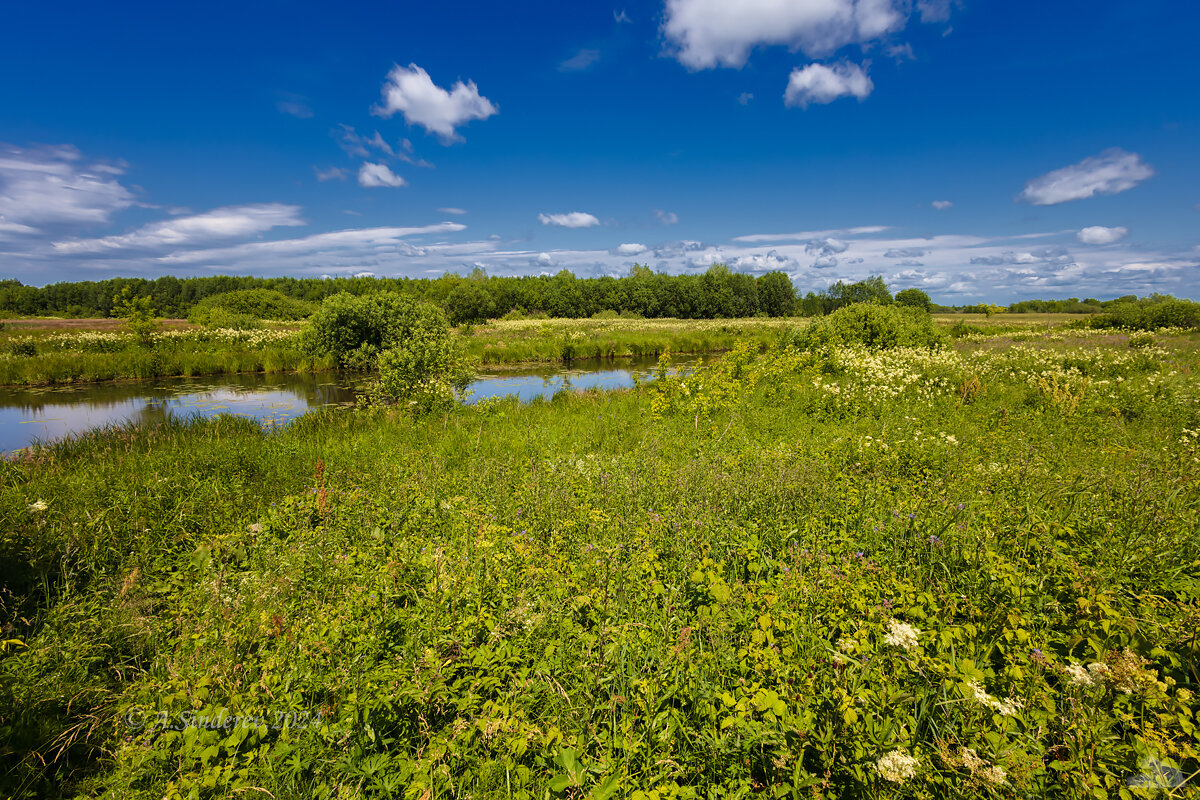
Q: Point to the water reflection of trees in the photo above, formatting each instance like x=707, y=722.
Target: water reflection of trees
x=308, y=390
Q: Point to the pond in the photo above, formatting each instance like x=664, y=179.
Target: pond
x=29, y=415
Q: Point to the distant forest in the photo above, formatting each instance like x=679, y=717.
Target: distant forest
x=717, y=293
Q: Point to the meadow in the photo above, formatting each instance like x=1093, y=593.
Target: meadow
x=968, y=570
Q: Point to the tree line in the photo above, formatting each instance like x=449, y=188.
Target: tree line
x=717, y=293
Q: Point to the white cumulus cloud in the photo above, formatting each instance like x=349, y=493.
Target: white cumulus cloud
x=411, y=92
x=708, y=33
x=372, y=176
x=1111, y=172
x=1098, y=234
x=631, y=249
x=575, y=219
x=221, y=223
x=819, y=83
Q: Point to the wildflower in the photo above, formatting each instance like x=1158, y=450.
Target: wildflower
x=1006, y=708
x=39, y=506
x=1077, y=675
x=936, y=540
x=255, y=528
x=971, y=759
x=897, y=766
x=994, y=774
x=901, y=634
x=1126, y=671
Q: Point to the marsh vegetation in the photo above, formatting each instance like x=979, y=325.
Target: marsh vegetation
x=813, y=568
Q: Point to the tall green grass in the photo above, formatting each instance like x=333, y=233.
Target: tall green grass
x=693, y=589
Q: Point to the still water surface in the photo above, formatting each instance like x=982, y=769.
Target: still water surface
x=46, y=414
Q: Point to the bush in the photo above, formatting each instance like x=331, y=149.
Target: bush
x=871, y=325
x=355, y=329
x=1149, y=316
x=258, y=304
x=422, y=373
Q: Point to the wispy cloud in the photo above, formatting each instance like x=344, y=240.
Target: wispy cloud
x=54, y=186
x=666, y=217
x=574, y=219
x=580, y=61
x=411, y=92
x=230, y=222
x=1111, y=172
x=452, y=210
x=862, y=230
x=331, y=174
x=356, y=243
x=941, y=205
x=294, y=105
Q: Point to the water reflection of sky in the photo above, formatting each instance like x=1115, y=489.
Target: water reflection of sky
x=49, y=414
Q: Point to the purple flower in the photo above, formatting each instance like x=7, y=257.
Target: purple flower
x=937, y=540
x=961, y=506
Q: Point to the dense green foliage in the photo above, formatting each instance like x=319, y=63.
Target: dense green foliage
x=250, y=305
x=901, y=572
x=873, y=326
x=914, y=298
x=1167, y=313
x=716, y=293
x=425, y=372
x=354, y=329
x=842, y=294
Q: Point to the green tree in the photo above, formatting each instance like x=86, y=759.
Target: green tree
x=872, y=290
x=914, y=298
x=138, y=313
x=469, y=302
x=776, y=295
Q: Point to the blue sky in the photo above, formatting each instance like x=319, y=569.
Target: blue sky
x=977, y=149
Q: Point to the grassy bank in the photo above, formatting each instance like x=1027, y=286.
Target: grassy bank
x=47, y=354
x=909, y=573
x=564, y=340
x=50, y=356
